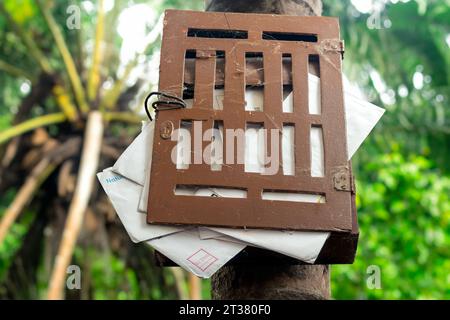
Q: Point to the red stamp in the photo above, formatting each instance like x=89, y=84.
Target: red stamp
x=202, y=259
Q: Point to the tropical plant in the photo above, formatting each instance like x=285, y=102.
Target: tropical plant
x=77, y=93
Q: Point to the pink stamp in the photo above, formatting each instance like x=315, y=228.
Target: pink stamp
x=202, y=259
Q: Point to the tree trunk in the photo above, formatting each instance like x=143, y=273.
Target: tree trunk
x=269, y=282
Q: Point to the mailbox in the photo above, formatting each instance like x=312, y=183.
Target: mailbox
x=235, y=72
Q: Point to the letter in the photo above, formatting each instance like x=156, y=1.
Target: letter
x=198, y=142
x=208, y=152
x=181, y=152
x=73, y=21
x=374, y=279
x=210, y=310
x=274, y=159
x=374, y=21
x=74, y=280
x=230, y=135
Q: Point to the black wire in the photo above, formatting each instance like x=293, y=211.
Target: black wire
x=146, y=106
x=172, y=102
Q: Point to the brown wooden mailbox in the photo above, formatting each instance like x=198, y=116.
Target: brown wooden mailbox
x=205, y=52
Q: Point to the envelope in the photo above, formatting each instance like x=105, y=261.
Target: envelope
x=304, y=246
x=124, y=196
x=139, y=151
x=201, y=257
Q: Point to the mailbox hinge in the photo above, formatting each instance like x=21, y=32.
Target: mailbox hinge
x=333, y=45
x=343, y=181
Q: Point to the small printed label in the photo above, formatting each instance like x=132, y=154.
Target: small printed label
x=113, y=179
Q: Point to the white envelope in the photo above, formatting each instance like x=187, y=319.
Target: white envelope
x=201, y=257
x=301, y=245
x=205, y=233
x=124, y=196
x=143, y=198
x=139, y=151
x=361, y=117
x=304, y=246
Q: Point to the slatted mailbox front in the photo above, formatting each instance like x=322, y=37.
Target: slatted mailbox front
x=205, y=52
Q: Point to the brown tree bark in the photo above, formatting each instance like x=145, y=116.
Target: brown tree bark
x=282, y=281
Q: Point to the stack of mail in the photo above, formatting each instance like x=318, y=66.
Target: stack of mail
x=204, y=250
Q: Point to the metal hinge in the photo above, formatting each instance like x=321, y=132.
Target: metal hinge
x=333, y=45
x=342, y=180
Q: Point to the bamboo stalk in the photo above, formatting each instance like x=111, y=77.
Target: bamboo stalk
x=180, y=281
x=94, y=74
x=64, y=102
x=39, y=174
x=89, y=162
x=67, y=57
x=16, y=72
x=195, y=287
x=129, y=117
x=32, y=124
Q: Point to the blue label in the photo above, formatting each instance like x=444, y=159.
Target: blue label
x=113, y=179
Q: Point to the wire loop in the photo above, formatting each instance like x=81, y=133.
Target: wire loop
x=169, y=103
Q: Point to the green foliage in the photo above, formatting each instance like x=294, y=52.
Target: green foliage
x=206, y=289
x=111, y=279
x=404, y=215
x=13, y=240
x=104, y=276
x=403, y=187
x=413, y=45
x=5, y=121
x=21, y=10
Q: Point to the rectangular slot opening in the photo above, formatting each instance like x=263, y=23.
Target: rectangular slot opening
x=289, y=36
x=183, y=149
x=254, y=74
x=210, y=191
x=254, y=147
x=217, y=146
x=217, y=33
x=219, y=92
x=288, y=149
x=314, y=64
x=293, y=196
x=317, y=152
x=288, y=97
x=314, y=91
x=189, y=77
